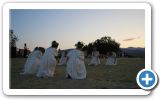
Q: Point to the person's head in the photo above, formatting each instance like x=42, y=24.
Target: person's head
x=41, y=49
x=36, y=48
x=55, y=44
x=79, y=45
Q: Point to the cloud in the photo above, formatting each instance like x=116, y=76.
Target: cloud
x=130, y=39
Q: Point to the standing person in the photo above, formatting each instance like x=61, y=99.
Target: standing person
x=75, y=63
x=33, y=61
x=48, y=61
x=95, y=57
x=111, y=58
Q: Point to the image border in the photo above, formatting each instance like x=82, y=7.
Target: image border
x=6, y=64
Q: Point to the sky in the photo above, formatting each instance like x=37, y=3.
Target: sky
x=39, y=27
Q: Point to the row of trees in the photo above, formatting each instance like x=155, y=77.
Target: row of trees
x=103, y=45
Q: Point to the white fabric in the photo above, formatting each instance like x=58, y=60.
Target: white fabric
x=112, y=60
x=48, y=63
x=95, y=58
x=33, y=62
x=63, y=59
x=75, y=64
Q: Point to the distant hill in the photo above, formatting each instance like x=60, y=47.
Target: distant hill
x=134, y=52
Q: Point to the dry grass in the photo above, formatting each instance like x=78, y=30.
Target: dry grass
x=121, y=76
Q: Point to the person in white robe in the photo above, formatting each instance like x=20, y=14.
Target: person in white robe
x=111, y=59
x=63, y=59
x=75, y=63
x=33, y=61
x=48, y=62
x=95, y=58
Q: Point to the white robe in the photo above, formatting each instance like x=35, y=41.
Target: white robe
x=33, y=62
x=112, y=60
x=48, y=63
x=75, y=64
x=63, y=59
x=95, y=58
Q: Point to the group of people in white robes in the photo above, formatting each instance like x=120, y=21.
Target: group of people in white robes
x=45, y=65
x=111, y=58
x=43, y=62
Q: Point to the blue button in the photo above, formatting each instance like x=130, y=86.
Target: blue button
x=147, y=79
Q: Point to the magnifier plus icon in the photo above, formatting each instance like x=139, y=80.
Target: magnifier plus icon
x=147, y=79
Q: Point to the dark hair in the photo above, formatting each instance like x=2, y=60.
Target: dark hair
x=55, y=44
x=41, y=49
x=36, y=48
x=79, y=45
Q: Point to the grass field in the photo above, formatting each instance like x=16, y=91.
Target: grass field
x=121, y=76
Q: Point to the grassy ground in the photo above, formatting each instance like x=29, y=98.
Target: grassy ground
x=121, y=76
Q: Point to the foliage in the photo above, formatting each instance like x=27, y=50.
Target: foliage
x=13, y=39
x=103, y=45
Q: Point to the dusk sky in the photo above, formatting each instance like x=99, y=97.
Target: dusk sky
x=68, y=26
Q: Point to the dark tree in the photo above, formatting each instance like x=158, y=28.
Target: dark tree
x=88, y=48
x=103, y=45
x=106, y=44
x=13, y=40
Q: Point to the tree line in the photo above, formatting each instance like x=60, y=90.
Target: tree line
x=104, y=45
